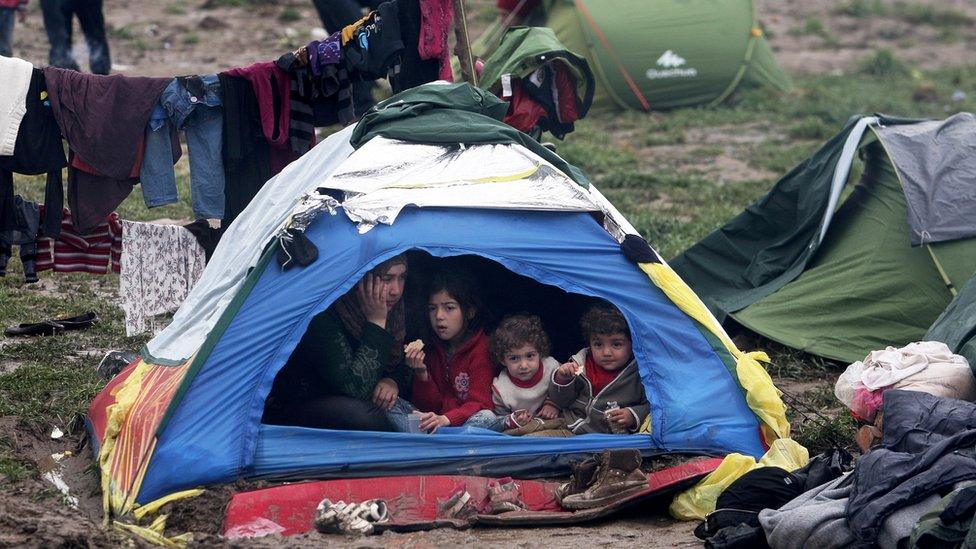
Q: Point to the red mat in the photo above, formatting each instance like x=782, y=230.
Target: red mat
x=412, y=501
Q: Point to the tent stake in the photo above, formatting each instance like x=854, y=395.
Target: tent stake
x=463, y=47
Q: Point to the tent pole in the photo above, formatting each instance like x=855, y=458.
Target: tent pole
x=463, y=47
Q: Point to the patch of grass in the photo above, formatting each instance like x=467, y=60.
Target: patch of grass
x=813, y=26
x=861, y=8
x=124, y=32
x=935, y=16
x=289, y=14
x=825, y=433
x=883, y=63
x=175, y=9
x=12, y=469
x=811, y=128
x=191, y=39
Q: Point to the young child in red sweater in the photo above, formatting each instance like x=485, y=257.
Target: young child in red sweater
x=452, y=381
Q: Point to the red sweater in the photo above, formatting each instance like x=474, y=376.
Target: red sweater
x=458, y=388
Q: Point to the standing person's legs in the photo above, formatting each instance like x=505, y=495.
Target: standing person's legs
x=93, y=25
x=58, y=28
x=7, y=16
x=336, y=14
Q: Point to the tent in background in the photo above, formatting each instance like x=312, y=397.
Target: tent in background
x=839, y=272
x=189, y=413
x=659, y=54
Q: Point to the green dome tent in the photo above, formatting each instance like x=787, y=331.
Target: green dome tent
x=840, y=272
x=660, y=54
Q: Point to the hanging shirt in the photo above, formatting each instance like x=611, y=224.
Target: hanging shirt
x=96, y=251
x=160, y=265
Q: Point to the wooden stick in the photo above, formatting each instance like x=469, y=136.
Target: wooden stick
x=463, y=48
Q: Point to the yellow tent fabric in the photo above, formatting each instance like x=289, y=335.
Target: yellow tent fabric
x=699, y=500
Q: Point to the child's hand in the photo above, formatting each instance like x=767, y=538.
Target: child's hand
x=429, y=421
x=415, y=360
x=521, y=417
x=621, y=417
x=548, y=411
x=566, y=372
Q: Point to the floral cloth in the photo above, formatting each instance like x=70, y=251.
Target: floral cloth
x=160, y=264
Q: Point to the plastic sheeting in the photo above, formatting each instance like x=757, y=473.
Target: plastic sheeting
x=385, y=175
x=215, y=434
x=241, y=247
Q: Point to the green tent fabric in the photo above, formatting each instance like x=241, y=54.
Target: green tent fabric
x=867, y=287
x=768, y=244
x=450, y=113
x=956, y=327
x=525, y=49
x=660, y=54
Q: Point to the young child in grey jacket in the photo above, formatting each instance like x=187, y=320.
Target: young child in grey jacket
x=599, y=389
x=520, y=392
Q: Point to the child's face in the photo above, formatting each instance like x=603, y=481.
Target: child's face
x=610, y=351
x=446, y=316
x=522, y=362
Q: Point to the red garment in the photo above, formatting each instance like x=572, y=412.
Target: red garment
x=524, y=112
x=78, y=162
x=97, y=251
x=598, y=376
x=436, y=17
x=532, y=381
x=22, y=4
x=566, y=92
x=268, y=79
x=510, y=5
x=458, y=388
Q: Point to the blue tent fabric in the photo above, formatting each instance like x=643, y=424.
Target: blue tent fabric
x=696, y=404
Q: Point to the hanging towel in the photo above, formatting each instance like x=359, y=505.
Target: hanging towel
x=160, y=265
x=16, y=77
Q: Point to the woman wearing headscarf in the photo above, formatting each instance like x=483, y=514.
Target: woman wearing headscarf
x=348, y=371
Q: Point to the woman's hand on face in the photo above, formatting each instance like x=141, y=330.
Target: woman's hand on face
x=371, y=292
x=548, y=411
x=429, y=421
x=385, y=393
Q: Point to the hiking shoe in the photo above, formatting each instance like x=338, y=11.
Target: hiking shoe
x=618, y=476
x=584, y=473
x=504, y=495
x=458, y=505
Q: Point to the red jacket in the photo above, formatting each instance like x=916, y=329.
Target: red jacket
x=22, y=4
x=458, y=388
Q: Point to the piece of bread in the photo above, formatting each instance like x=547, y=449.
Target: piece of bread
x=416, y=344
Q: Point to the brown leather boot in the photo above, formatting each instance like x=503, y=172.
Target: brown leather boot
x=584, y=473
x=618, y=476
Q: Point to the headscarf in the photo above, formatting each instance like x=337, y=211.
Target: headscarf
x=350, y=312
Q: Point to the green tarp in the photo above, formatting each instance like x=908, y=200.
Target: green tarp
x=450, y=113
x=523, y=50
x=956, y=327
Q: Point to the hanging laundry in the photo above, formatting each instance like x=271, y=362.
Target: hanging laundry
x=16, y=77
x=103, y=119
x=333, y=90
x=38, y=150
x=160, y=265
x=301, y=131
x=271, y=87
x=190, y=104
x=206, y=234
x=246, y=152
x=436, y=17
x=376, y=45
x=414, y=68
x=96, y=251
x=23, y=235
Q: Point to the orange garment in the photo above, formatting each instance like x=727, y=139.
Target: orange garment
x=349, y=30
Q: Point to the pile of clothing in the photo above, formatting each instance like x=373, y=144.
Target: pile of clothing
x=917, y=488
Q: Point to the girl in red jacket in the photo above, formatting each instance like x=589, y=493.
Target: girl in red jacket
x=452, y=380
